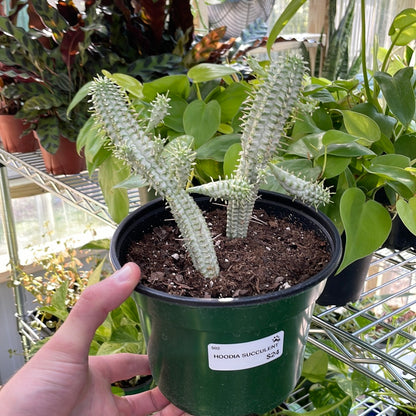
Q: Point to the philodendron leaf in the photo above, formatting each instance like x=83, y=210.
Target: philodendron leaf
x=81, y=94
x=403, y=28
x=201, y=120
x=407, y=213
x=367, y=225
x=208, y=72
x=113, y=171
x=354, y=386
x=331, y=394
x=129, y=83
x=217, y=147
x=174, y=85
x=361, y=126
x=316, y=367
x=231, y=158
x=398, y=93
x=395, y=170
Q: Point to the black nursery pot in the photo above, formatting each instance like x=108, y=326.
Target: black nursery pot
x=347, y=285
x=400, y=238
x=231, y=356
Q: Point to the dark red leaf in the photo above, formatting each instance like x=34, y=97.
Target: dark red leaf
x=153, y=14
x=180, y=17
x=69, y=12
x=69, y=47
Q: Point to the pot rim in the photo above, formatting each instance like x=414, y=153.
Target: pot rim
x=326, y=224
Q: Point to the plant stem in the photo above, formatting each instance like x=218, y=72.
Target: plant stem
x=364, y=54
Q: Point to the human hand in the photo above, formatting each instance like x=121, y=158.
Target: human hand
x=61, y=379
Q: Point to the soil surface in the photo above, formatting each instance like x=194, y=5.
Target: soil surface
x=277, y=254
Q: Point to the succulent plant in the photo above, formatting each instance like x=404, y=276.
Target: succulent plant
x=166, y=167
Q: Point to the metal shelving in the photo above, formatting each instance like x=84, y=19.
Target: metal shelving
x=376, y=335
x=79, y=190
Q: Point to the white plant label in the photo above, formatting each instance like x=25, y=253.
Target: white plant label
x=232, y=357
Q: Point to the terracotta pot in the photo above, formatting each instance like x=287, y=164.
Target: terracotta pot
x=11, y=129
x=65, y=161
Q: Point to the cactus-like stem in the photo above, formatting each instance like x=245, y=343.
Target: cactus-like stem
x=311, y=193
x=118, y=119
x=179, y=154
x=228, y=189
x=264, y=125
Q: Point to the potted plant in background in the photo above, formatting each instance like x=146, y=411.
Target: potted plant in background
x=242, y=343
x=64, y=48
x=50, y=53
x=11, y=128
x=359, y=139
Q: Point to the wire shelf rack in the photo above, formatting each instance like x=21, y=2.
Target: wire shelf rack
x=81, y=190
x=375, y=336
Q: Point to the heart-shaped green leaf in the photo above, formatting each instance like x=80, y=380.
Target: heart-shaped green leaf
x=398, y=92
x=175, y=85
x=330, y=394
x=208, y=72
x=386, y=123
x=201, y=120
x=337, y=137
x=113, y=171
x=307, y=147
x=361, y=126
x=217, y=147
x=231, y=158
x=407, y=213
x=316, y=367
x=403, y=28
x=393, y=168
x=406, y=145
x=174, y=119
x=333, y=165
x=367, y=225
x=349, y=150
x=207, y=170
x=127, y=82
x=231, y=99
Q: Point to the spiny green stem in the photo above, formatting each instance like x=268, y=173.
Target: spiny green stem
x=263, y=127
x=119, y=122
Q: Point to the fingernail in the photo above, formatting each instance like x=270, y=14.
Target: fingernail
x=122, y=275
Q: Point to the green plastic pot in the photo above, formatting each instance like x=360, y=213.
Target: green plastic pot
x=215, y=357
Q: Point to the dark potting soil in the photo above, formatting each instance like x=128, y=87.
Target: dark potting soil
x=275, y=255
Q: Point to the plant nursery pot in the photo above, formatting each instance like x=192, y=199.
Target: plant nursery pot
x=400, y=238
x=346, y=286
x=143, y=384
x=65, y=161
x=232, y=356
x=11, y=130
